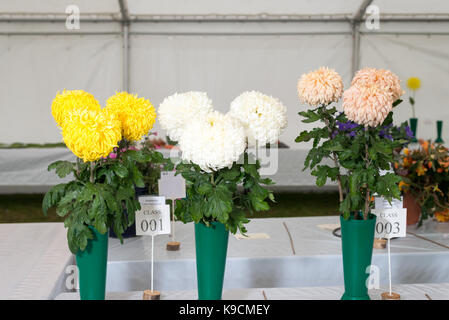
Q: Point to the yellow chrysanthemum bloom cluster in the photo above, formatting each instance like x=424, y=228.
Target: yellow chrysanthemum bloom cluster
x=137, y=115
x=414, y=83
x=69, y=100
x=91, y=134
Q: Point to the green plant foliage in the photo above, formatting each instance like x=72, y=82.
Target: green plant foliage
x=151, y=170
x=353, y=156
x=98, y=196
x=225, y=195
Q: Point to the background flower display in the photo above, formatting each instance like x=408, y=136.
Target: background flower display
x=414, y=84
x=425, y=178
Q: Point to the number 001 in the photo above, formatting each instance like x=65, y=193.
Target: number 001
x=152, y=225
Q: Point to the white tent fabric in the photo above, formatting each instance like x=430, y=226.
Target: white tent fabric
x=279, y=41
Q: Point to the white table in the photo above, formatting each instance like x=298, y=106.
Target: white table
x=314, y=259
x=33, y=260
x=438, y=291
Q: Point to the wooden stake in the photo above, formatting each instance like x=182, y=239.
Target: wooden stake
x=173, y=245
x=151, y=295
x=390, y=296
x=380, y=243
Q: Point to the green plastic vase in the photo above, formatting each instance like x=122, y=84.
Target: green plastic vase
x=357, y=237
x=92, y=266
x=211, y=249
x=414, y=128
x=439, y=132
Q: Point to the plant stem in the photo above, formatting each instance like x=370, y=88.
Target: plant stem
x=92, y=167
x=335, y=158
x=367, y=195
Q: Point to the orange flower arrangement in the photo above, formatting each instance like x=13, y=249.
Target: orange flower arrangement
x=442, y=216
x=425, y=173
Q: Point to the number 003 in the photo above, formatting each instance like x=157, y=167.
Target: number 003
x=152, y=225
x=388, y=228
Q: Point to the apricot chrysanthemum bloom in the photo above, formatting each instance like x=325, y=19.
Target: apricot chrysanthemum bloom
x=69, y=100
x=367, y=105
x=384, y=79
x=320, y=87
x=414, y=83
x=91, y=135
x=137, y=115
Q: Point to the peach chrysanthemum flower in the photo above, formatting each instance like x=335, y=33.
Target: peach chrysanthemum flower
x=367, y=105
x=320, y=87
x=384, y=79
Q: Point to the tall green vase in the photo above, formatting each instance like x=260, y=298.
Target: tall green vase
x=92, y=266
x=414, y=128
x=439, y=132
x=357, y=237
x=211, y=249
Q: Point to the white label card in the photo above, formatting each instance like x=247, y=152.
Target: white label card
x=151, y=200
x=382, y=203
x=152, y=220
x=171, y=186
x=390, y=223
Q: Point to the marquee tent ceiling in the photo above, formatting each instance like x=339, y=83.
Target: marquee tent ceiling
x=229, y=10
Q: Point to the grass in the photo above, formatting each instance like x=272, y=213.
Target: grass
x=27, y=207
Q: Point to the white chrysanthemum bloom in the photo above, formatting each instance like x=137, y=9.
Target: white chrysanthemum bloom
x=264, y=117
x=213, y=141
x=178, y=109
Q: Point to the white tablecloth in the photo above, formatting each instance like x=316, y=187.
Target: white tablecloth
x=34, y=257
x=439, y=291
x=33, y=260
x=313, y=260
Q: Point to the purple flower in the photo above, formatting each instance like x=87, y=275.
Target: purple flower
x=409, y=132
x=347, y=128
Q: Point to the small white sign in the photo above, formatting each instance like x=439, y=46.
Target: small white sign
x=153, y=220
x=171, y=186
x=151, y=200
x=390, y=223
x=382, y=203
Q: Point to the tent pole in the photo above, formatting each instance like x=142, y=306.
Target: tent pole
x=125, y=28
x=355, y=64
x=126, y=56
x=356, y=20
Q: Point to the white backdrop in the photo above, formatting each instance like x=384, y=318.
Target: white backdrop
x=223, y=59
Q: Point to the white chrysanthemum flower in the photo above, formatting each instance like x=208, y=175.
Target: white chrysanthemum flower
x=177, y=110
x=213, y=141
x=263, y=117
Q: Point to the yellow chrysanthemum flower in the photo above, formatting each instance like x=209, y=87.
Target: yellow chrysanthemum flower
x=414, y=83
x=137, y=115
x=69, y=100
x=91, y=134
